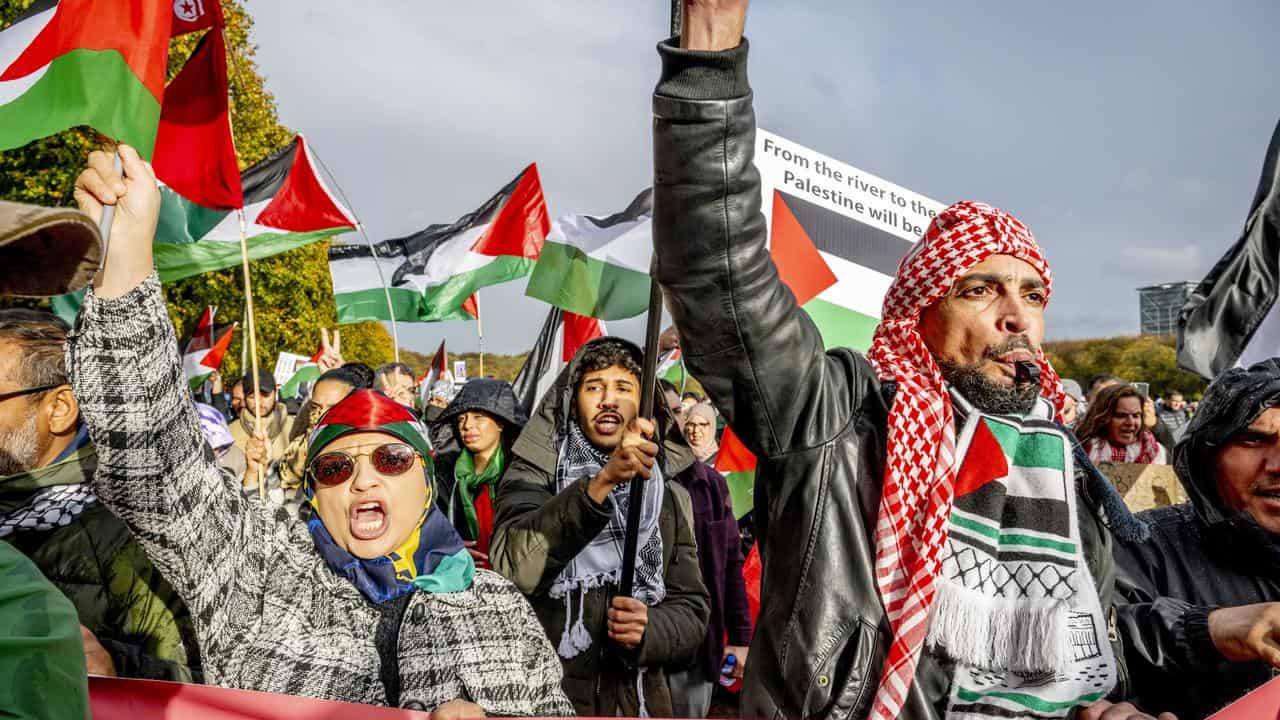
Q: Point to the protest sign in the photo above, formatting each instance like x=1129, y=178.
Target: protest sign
x=860, y=224
x=459, y=371
x=287, y=364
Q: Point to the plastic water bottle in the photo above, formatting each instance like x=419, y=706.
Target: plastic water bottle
x=726, y=672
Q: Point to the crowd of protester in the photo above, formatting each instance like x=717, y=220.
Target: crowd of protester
x=938, y=532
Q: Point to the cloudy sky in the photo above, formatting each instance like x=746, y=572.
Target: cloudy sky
x=1128, y=136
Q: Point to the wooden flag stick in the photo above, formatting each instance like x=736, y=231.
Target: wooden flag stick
x=253, y=345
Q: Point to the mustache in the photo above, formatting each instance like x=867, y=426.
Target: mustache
x=1015, y=342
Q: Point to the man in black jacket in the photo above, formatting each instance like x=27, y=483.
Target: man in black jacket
x=1202, y=626
x=932, y=545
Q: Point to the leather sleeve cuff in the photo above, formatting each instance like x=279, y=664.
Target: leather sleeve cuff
x=701, y=74
x=1195, y=626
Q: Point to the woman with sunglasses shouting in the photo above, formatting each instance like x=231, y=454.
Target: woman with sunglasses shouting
x=373, y=600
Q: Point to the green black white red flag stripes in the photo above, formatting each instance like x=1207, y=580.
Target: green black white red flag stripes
x=99, y=63
x=598, y=266
x=562, y=335
x=206, y=348
x=431, y=273
x=287, y=205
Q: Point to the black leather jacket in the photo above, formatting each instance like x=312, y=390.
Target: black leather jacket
x=815, y=419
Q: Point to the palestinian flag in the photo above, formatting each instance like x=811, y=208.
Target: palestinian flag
x=206, y=348
x=1231, y=318
x=438, y=370
x=598, y=267
x=304, y=375
x=286, y=205
x=842, y=249
x=671, y=368
x=562, y=335
x=738, y=465
x=99, y=63
x=431, y=273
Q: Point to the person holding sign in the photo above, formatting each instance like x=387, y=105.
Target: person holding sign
x=373, y=600
x=933, y=545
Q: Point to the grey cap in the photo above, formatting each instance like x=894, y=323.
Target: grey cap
x=1072, y=388
x=46, y=251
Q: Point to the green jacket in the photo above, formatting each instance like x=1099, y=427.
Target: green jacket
x=42, y=671
x=537, y=532
x=96, y=562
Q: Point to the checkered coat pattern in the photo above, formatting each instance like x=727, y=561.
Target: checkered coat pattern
x=269, y=614
x=920, y=465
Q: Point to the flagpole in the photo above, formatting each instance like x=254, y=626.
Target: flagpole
x=386, y=291
x=253, y=345
x=648, y=385
x=480, y=331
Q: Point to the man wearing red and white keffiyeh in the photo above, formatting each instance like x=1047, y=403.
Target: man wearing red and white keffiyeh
x=935, y=545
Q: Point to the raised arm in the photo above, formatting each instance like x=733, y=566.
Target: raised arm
x=758, y=355
x=155, y=470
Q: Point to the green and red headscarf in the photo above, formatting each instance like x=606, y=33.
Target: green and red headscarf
x=432, y=559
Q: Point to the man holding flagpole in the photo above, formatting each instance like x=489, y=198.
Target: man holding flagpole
x=934, y=545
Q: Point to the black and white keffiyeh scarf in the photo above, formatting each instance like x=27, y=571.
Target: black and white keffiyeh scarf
x=52, y=507
x=600, y=562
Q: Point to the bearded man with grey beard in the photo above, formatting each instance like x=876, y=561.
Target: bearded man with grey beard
x=132, y=622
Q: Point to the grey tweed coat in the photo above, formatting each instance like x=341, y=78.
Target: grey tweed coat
x=269, y=614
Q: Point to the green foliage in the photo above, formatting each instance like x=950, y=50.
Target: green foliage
x=292, y=292
x=1144, y=358
x=504, y=367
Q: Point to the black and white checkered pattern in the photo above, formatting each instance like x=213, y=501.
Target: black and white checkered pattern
x=269, y=614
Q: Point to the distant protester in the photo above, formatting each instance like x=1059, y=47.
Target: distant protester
x=396, y=381
x=1113, y=432
x=1174, y=413
x=700, y=431
x=1073, y=405
x=485, y=420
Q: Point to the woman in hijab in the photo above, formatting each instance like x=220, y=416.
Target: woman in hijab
x=700, y=431
x=485, y=419
x=1112, y=431
x=373, y=600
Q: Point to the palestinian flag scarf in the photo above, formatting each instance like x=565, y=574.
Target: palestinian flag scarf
x=920, y=450
x=432, y=558
x=1015, y=605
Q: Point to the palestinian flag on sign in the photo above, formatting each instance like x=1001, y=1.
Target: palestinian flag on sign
x=598, y=267
x=286, y=205
x=306, y=373
x=99, y=63
x=431, y=273
x=206, y=348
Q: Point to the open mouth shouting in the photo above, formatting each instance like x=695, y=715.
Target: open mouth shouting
x=369, y=519
x=607, y=423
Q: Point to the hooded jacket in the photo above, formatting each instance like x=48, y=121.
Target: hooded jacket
x=494, y=397
x=539, y=531
x=1201, y=556
x=816, y=420
x=96, y=562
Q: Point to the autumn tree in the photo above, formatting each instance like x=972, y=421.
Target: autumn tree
x=293, y=294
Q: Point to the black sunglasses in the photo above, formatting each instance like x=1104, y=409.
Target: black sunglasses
x=28, y=391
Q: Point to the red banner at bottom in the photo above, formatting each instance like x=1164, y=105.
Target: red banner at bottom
x=124, y=699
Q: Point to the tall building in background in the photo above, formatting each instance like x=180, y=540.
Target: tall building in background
x=1159, y=305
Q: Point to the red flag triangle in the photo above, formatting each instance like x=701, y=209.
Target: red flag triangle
x=194, y=154
x=214, y=357
x=522, y=224
x=800, y=265
x=202, y=336
x=578, y=331
x=471, y=306
x=983, y=462
x=303, y=203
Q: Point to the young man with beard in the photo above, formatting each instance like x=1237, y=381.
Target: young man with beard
x=933, y=545
x=560, y=520
x=133, y=622
x=1202, y=623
